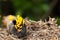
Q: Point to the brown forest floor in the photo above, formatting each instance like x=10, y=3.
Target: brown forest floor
x=36, y=30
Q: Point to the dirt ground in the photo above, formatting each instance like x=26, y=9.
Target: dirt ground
x=36, y=30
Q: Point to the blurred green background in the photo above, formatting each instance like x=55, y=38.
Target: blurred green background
x=34, y=9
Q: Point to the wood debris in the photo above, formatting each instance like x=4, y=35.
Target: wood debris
x=36, y=30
